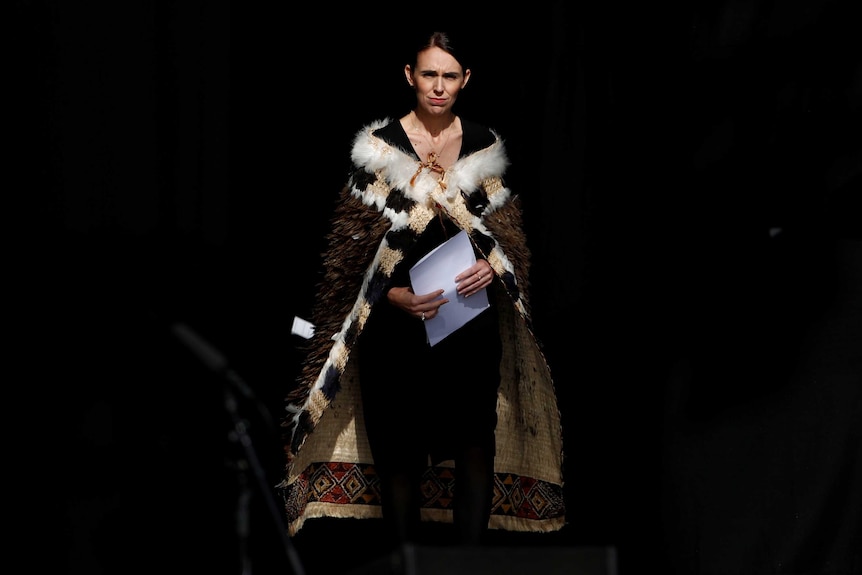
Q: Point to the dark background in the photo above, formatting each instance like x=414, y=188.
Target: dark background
x=690, y=174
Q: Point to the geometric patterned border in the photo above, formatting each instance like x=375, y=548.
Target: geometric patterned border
x=357, y=484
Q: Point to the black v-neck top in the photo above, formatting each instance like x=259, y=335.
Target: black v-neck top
x=475, y=137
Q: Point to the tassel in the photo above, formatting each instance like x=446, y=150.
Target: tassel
x=432, y=166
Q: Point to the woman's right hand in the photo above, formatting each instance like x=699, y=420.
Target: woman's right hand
x=419, y=306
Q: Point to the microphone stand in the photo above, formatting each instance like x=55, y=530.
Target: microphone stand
x=211, y=358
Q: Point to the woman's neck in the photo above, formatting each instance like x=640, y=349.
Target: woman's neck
x=437, y=144
x=432, y=125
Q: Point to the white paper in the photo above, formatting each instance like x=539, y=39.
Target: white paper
x=437, y=270
x=302, y=328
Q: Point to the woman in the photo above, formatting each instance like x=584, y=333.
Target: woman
x=383, y=424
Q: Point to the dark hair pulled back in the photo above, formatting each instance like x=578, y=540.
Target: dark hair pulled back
x=446, y=41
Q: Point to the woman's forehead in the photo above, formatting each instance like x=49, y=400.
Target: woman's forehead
x=435, y=58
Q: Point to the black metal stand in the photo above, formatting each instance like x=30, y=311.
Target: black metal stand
x=249, y=466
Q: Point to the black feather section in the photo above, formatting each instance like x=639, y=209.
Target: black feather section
x=351, y=334
x=360, y=179
x=511, y=285
x=377, y=287
x=303, y=428
x=331, y=383
x=397, y=201
x=401, y=239
x=483, y=242
x=476, y=201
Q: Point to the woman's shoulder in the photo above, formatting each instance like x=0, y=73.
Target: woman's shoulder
x=391, y=132
x=382, y=143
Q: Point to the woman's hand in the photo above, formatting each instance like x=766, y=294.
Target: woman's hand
x=474, y=278
x=420, y=306
x=426, y=306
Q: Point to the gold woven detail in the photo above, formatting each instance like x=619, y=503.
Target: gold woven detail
x=496, y=262
x=456, y=207
x=390, y=258
x=340, y=353
x=317, y=404
x=420, y=215
x=380, y=185
x=493, y=186
x=364, y=312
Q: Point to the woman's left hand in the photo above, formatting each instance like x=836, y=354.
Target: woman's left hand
x=474, y=278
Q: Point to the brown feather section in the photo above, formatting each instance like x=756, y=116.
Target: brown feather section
x=506, y=224
x=351, y=244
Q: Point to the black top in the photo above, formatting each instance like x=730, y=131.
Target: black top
x=475, y=137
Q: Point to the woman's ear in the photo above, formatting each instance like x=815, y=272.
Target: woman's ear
x=408, y=73
x=466, y=77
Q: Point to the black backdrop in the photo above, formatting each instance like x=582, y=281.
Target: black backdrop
x=690, y=176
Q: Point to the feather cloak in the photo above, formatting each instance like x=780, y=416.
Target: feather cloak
x=385, y=205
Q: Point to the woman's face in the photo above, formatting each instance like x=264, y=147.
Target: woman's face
x=437, y=79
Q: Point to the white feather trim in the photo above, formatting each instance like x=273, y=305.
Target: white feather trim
x=399, y=168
